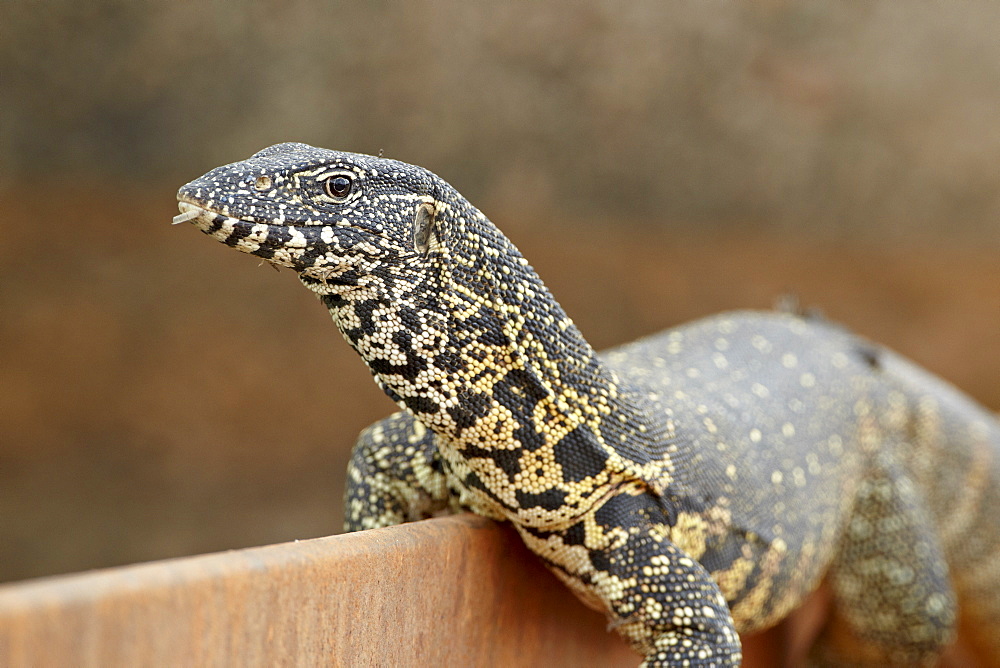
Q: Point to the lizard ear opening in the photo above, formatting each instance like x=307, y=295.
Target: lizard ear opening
x=423, y=227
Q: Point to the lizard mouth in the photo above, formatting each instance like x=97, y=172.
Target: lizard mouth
x=300, y=248
x=285, y=245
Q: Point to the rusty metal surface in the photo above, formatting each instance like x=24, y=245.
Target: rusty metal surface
x=456, y=591
x=451, y=591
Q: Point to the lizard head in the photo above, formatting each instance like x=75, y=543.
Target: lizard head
x=338, y=219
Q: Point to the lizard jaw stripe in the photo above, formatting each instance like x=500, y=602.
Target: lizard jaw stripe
x=280, y=244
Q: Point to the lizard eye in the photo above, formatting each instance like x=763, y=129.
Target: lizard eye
x=338, y=187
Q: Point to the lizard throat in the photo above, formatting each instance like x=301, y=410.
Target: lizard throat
x=503, y=404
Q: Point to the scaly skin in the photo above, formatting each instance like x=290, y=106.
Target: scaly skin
x=692, y=485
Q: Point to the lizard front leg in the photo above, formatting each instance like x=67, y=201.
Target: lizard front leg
x=619, y=558
x=395, y=475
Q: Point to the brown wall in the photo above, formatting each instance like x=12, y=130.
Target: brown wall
x=161, y=395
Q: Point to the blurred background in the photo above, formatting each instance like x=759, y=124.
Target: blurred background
x=161, y=395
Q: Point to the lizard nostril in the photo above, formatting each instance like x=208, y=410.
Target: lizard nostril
x=262, y=183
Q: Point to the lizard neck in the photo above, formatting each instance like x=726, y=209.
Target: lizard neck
x=487, y=359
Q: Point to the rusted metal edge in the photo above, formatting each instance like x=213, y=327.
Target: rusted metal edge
x=450, y=591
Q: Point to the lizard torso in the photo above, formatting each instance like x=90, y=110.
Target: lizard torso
x=691, y=485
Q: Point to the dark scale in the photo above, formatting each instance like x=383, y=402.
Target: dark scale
x=692, y=485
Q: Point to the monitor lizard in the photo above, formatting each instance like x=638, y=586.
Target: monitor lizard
x=693, y=485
